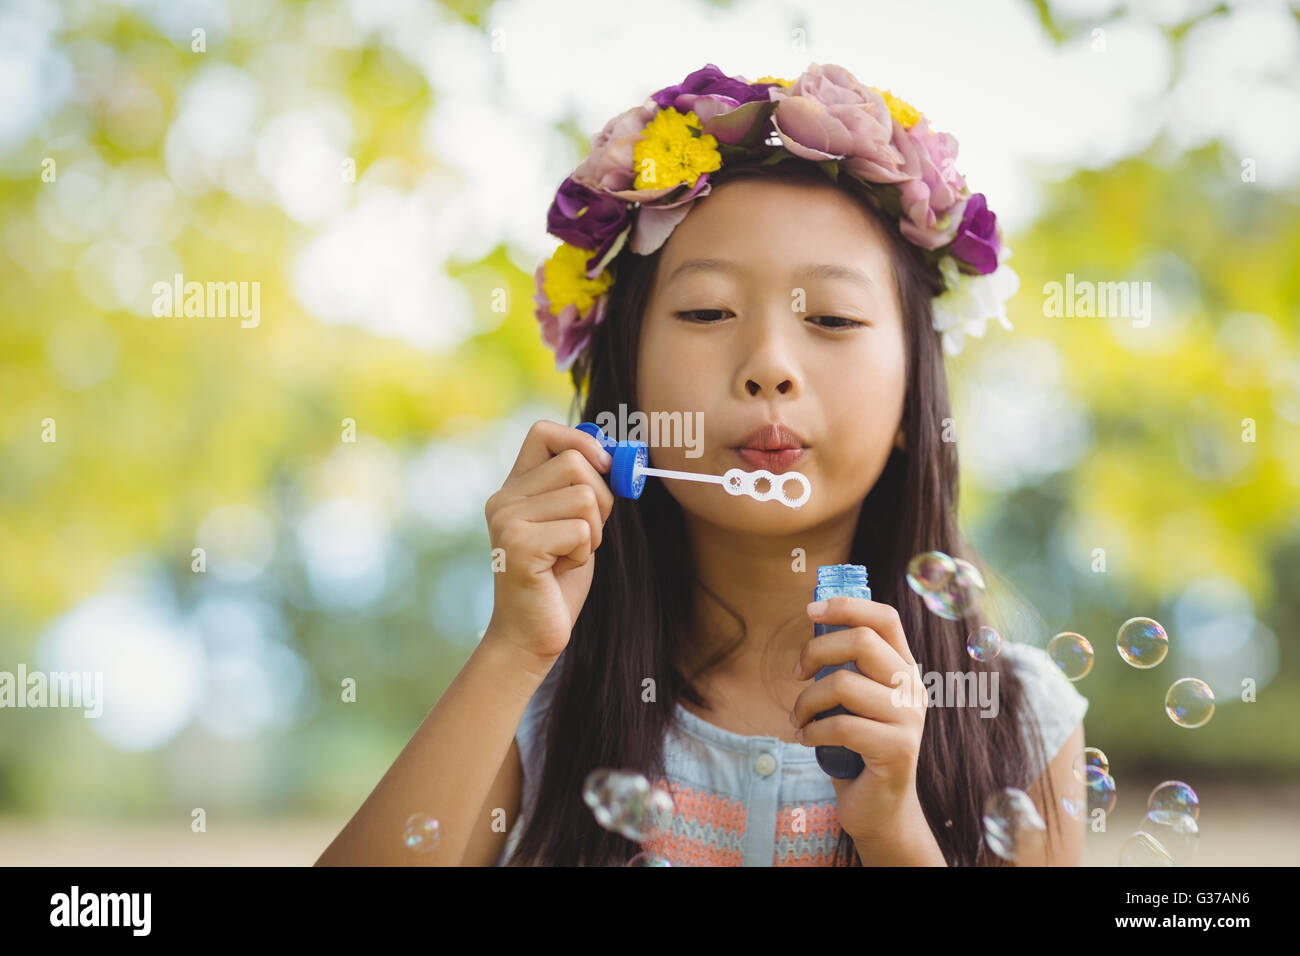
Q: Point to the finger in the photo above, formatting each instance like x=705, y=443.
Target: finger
x=545, y=544
x=882, y=618
x=546, y=439
x=874, y=741
x=873, y=656
x=859, y=695
x=571, y=501
x=569, y=467
x=564, y=540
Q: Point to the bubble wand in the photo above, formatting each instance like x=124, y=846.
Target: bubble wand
x=632, y=466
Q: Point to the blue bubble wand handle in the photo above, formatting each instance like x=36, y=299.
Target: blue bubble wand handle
x=839, y=580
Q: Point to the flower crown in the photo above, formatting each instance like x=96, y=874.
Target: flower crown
x=648, y=165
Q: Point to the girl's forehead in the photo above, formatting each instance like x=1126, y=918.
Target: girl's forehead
x=756, y=227
x=764, y=210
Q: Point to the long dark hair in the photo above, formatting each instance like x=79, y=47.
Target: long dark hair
x=637, y=613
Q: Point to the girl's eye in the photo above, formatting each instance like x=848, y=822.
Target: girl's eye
x=840, y=321
x=690, y=316
x=700, y=316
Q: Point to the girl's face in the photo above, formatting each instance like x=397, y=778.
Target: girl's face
x=775, y=303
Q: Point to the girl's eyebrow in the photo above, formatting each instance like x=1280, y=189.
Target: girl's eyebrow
x=819, y=271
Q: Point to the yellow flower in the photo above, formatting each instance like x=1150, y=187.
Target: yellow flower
x=904, y=113
x=564, y=280
x=670, y=153
x=773, y=79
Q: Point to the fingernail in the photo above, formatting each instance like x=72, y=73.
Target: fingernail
x=798, y=669
x=816, y=608
x=794, y=722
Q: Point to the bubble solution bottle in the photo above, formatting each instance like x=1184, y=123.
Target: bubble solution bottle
x=836, y=580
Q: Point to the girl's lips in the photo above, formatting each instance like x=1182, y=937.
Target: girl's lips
x=774, y=461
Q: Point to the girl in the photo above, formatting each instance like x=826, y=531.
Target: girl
x=671, y=634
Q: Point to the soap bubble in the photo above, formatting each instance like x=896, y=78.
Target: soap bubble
x=422, y=833
x=1141, y=849
x=941, y=603
x=1074, y=805
x=1189, y=702
x=950, y=587
x=966, y=588
x=1142, y=642
x=930, y=572
x=984, y=644
x=645, y=858
x=1176, y=797
x=1071, y=653
x=1090, y=757
x=1012, y=826
x=1174, y=832
x=1100, y=787
x=626, y=803
x=1075, y=802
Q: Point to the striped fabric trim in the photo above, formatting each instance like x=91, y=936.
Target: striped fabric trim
x=806, y=834
x=708, y=829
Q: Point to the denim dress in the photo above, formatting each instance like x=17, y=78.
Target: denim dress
x=763, y=801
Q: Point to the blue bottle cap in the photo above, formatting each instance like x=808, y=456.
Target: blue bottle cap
x=592, y=429
x=627, y=455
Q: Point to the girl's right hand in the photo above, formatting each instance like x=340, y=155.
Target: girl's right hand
x=549, y=517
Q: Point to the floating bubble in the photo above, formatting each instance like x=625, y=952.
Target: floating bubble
x=1189, y=703
x=1100, y=787
x=645, y=858
x=1012, y=825
x=626, y=803
x=1142, y=850
x=941, y=603
x=1074, y=805
x=1090, y=757
x=966, y=588
x=1071, y=653
x=1075, y=802
x=1142, y=642
x=598, y=794
x=422, y=833
x=1174, y=832
x=930, y=572
x=1174, y=796
x=984, y=644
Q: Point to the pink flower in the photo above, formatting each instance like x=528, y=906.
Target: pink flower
x=609, y=165
x=828, y=114
x=566, y=334
x=934, y=200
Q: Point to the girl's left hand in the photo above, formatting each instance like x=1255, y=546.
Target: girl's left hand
x=886, y=701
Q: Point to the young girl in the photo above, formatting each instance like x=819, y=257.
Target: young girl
x=790, y=303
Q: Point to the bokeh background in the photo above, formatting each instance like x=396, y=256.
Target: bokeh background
x=382, y=168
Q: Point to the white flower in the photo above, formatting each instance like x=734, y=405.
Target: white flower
x=968, y=302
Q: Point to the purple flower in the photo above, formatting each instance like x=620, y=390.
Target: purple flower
x=711, y=82
x=585, y=218
x=976, y=243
